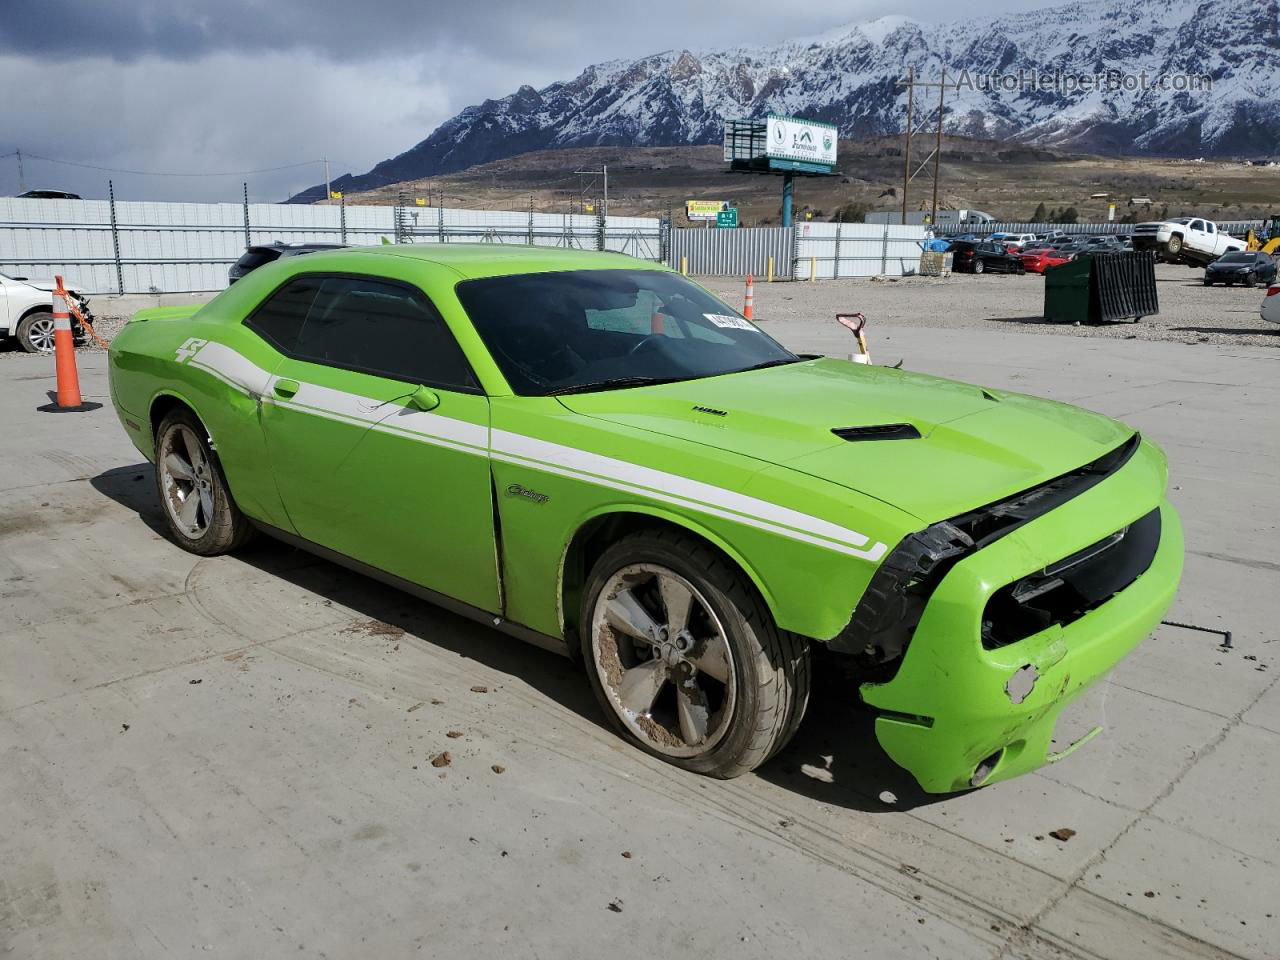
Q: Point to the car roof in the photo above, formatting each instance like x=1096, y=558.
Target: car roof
x=475, y=260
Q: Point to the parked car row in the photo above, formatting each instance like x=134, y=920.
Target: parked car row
x=1034, y=253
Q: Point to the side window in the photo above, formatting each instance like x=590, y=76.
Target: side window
x=278, y=319
x=1209, y=227
x=1196, y=225
x=382, y=328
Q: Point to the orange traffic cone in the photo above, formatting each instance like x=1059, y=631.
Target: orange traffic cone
x=64, y=349
x=749, y=308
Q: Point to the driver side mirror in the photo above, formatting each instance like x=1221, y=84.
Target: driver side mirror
x=424, y=399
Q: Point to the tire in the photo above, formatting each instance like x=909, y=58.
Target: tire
x=35, y=332
x=197, y=505
x=1208, y=282
x=1174, y=246
x=1251, y=280
x=978, y=266
x=723, y=695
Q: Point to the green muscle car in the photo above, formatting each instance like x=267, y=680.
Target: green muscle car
x=596, y=455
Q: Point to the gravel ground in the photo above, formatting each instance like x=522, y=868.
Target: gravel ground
x=1189, y=311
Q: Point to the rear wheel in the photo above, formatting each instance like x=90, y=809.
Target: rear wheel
x=193, y=491
x=977, y=266
x=685, y=658
x=35, y=332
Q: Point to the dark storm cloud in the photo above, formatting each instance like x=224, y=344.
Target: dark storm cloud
x=226, y=85
x=343, y=30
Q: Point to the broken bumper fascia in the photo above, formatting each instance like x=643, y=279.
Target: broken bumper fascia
x=948, y=716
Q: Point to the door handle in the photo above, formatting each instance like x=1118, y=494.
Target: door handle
x=285, y=388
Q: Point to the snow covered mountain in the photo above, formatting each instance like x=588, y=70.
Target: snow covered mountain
x=1229, y=48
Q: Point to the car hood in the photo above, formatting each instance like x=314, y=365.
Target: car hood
x=48, y=283
x=976, y=445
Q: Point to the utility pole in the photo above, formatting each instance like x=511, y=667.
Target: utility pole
x=602, y=172
x=936, y=154
x=906, y=151
x=22, y=180
x=937, y=149
x=328, y=190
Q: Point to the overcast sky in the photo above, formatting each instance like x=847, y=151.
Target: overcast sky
x=238, y=85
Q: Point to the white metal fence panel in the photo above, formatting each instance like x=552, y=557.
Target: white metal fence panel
x=827, y=251
x=186, y=247
x=732, y=253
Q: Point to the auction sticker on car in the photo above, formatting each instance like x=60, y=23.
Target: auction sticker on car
x=723, y=320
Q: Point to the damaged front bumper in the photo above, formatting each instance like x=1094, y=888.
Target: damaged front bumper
x=959, y=713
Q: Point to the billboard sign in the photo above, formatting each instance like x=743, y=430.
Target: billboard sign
x=704, y=209
x=790, y=138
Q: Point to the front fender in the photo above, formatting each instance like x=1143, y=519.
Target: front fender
x=667, y=516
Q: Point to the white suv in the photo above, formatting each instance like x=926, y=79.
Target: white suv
x=1271, y=304
x=26, y=312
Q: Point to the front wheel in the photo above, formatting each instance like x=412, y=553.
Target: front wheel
x=685, y=658
x=193, y=491
x=35, y=332
x=1251, y=280
x=1174, y=246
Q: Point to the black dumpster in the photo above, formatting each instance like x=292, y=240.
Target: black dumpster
x=1100, y=287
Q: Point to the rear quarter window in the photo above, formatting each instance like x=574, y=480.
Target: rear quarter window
x=279, y=318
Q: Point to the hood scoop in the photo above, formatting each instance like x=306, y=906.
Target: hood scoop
x=880, y=431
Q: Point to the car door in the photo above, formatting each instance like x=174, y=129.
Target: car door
x=1197, y=238
x=378, y=436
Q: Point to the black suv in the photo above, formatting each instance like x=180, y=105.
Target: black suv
x=264, y=253
x=979, y=256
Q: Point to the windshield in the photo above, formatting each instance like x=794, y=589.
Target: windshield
x=584, y=330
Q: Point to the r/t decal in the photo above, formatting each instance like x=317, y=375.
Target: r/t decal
x=189, y=349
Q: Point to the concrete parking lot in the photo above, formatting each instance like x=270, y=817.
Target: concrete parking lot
x=232, y=756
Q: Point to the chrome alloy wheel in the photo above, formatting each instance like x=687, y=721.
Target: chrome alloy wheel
x=663, y=659
x=186, y=479
x=41, y=334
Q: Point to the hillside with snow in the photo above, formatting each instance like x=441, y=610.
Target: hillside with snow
x=1230, y=49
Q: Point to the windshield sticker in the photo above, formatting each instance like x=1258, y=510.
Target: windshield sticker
x=723, y=320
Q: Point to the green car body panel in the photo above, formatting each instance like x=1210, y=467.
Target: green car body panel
x=484, y=497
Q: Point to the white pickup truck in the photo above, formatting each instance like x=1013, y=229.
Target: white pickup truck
x=1186, y=239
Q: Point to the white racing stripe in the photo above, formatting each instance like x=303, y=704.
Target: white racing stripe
x=541, y=453
x=425, y=427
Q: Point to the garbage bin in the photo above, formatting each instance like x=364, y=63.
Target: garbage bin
x=1100, y=287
